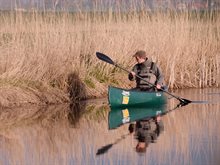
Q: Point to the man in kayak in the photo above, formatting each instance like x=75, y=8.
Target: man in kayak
x=150, y=73
x=146, y=132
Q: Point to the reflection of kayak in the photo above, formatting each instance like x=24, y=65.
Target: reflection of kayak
x=119, y=97
x=119, y=116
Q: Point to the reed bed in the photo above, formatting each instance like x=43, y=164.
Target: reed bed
x=45, y=48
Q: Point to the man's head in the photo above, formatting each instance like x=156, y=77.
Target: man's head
x=141, y=147
x=140, y=56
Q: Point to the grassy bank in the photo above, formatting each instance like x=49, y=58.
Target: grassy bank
x=58, y=49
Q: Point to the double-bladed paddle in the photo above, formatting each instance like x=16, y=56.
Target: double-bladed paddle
x=107, y=59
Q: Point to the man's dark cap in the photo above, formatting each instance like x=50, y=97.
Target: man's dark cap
x=141, y=54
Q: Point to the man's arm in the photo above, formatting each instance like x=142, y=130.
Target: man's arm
x=131, y=75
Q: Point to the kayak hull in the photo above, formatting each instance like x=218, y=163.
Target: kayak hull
x=119, y=98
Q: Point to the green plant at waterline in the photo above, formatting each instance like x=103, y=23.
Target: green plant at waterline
x=89, y=82
x=104, y=74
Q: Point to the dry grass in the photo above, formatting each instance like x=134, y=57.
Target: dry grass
x=47, y=47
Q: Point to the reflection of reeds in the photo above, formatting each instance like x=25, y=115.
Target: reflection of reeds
x=48, y=115
x=46, y=47
x=48, y=133
x=21, y=116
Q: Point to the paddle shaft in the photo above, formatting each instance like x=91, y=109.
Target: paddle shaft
x=105, y=148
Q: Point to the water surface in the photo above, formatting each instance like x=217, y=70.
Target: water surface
x=72, y=134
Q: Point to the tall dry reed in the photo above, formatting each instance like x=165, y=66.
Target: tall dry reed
x=45, y=48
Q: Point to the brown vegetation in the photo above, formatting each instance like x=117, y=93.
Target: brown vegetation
x=43, y=49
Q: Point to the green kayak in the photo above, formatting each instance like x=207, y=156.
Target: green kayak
x=120, y=116
x=120, y=98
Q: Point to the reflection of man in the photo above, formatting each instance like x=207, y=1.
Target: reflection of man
x=146, y=131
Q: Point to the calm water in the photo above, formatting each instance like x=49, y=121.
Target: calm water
x=62, y=135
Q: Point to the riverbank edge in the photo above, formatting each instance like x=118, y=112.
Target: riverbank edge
x=13, y=96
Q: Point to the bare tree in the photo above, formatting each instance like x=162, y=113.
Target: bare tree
x=55, y=3
x=209, y=2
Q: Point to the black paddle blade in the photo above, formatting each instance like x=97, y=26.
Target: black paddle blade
x=104, y=149
x=184, y=101
x=105, y=58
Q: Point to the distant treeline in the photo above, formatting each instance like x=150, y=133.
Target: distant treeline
x=110, y=5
